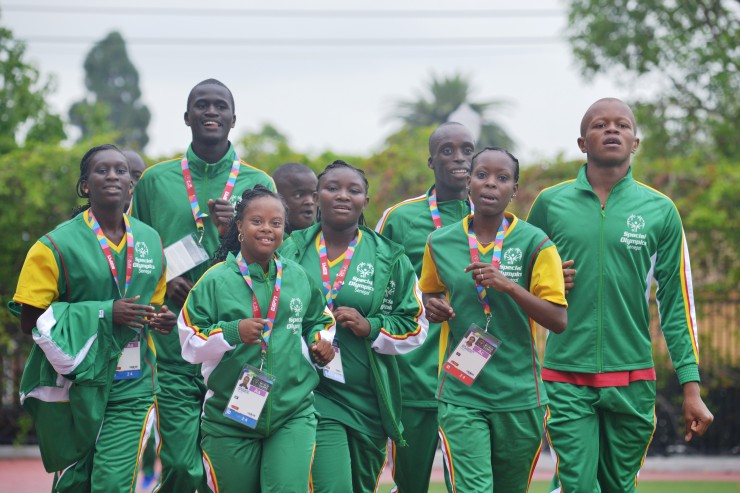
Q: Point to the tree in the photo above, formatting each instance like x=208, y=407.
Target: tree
x=114, y=102
x=445, y=95
x=23, y=93
x=687, y=50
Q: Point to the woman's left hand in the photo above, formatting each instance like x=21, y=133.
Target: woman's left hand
x=349, y=318
x=489, y=276
x=163, y=321
x=322, y=351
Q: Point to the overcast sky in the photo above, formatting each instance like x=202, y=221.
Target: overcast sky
x=326, y=77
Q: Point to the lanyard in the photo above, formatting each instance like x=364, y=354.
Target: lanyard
x=228, y=189
x=331, y=291
x=495, y=260
x=105, y=246
x=256, y=311
x=434, y=210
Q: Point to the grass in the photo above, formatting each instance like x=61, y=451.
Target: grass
x=645, y=487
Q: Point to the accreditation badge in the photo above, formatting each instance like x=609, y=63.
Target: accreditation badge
x=129, y=363
x=183, y=255
x=249, y=396
x=333, y=369
x=471, y=355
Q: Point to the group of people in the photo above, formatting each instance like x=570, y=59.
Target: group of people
x=274, y=342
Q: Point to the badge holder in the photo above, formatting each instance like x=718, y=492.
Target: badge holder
x=471, y=355
x=334, y=369
x=184, y=255
x=129, y=364
x=249, y=396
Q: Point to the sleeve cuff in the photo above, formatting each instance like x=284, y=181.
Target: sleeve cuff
x=375, y=325
x=231, y=332
x=688, y=373
x=105, y=313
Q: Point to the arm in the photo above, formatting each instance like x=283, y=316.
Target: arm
x=678, y=321
x=203, y=337
x=318, y=327
x=403, y=327
x=545, y=301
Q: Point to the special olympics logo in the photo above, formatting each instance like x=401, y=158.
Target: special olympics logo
x=141, y=249
x=365, y=270
x=513, y=255
x=635, y=223
x=296, y=306
x=391, y=289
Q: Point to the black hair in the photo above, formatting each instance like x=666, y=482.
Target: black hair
x=230, y=242
x=208, y=82
x=85, y=174
x=434, y=137
x=497, y=149
x=338, y=164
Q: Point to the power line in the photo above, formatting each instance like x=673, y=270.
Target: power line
x=297, y=13
x=310, y=42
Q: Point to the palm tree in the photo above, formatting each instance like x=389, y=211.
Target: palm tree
x=447, y=95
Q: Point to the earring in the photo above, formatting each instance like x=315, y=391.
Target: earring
x=240, y=237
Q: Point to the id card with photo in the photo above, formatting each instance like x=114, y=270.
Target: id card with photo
x=249, y=396
x=471, y=355
x=334, y=369
x=183, y=255
x=129, y=364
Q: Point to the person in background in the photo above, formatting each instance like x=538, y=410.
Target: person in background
x=297, y=184
x=600, y=374
x=190, y=202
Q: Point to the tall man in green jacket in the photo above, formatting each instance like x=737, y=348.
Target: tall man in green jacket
x=409, y=223
x=599, y=373
x=172, y=197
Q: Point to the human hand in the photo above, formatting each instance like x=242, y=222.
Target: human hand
x=127, y=312
x=569, y=275
x=250, y=330
x=221, y=213
x=178, y=289
x=163, y=321
x=438, y=309
x=322, y=351
x=349, y=318
x=695, y=412
x=488, y=276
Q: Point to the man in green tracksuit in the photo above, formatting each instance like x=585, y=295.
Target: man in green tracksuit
x=275, y=454
x=599, y=373
x=409, y=223
x=98, y=443
x=173, y=197
x=381, y=285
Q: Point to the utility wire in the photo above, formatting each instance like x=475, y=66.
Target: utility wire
x=309, y=42
x=299, y=13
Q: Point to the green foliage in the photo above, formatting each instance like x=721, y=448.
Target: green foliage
x=444, y=96
x=114, y=99
x=687, y=50
x=23, y=93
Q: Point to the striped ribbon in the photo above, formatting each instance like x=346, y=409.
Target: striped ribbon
x=105, y=246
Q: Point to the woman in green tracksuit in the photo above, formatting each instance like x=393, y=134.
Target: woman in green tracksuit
x=250, y=321
x=492, y=276
x=85, y=291
x=371, y=287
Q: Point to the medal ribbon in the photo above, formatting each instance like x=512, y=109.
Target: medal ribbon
x=105, y=246
x=498, y=244
x=228, y=189
x=256, y=311
x=331, y=291
x=434, y=210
